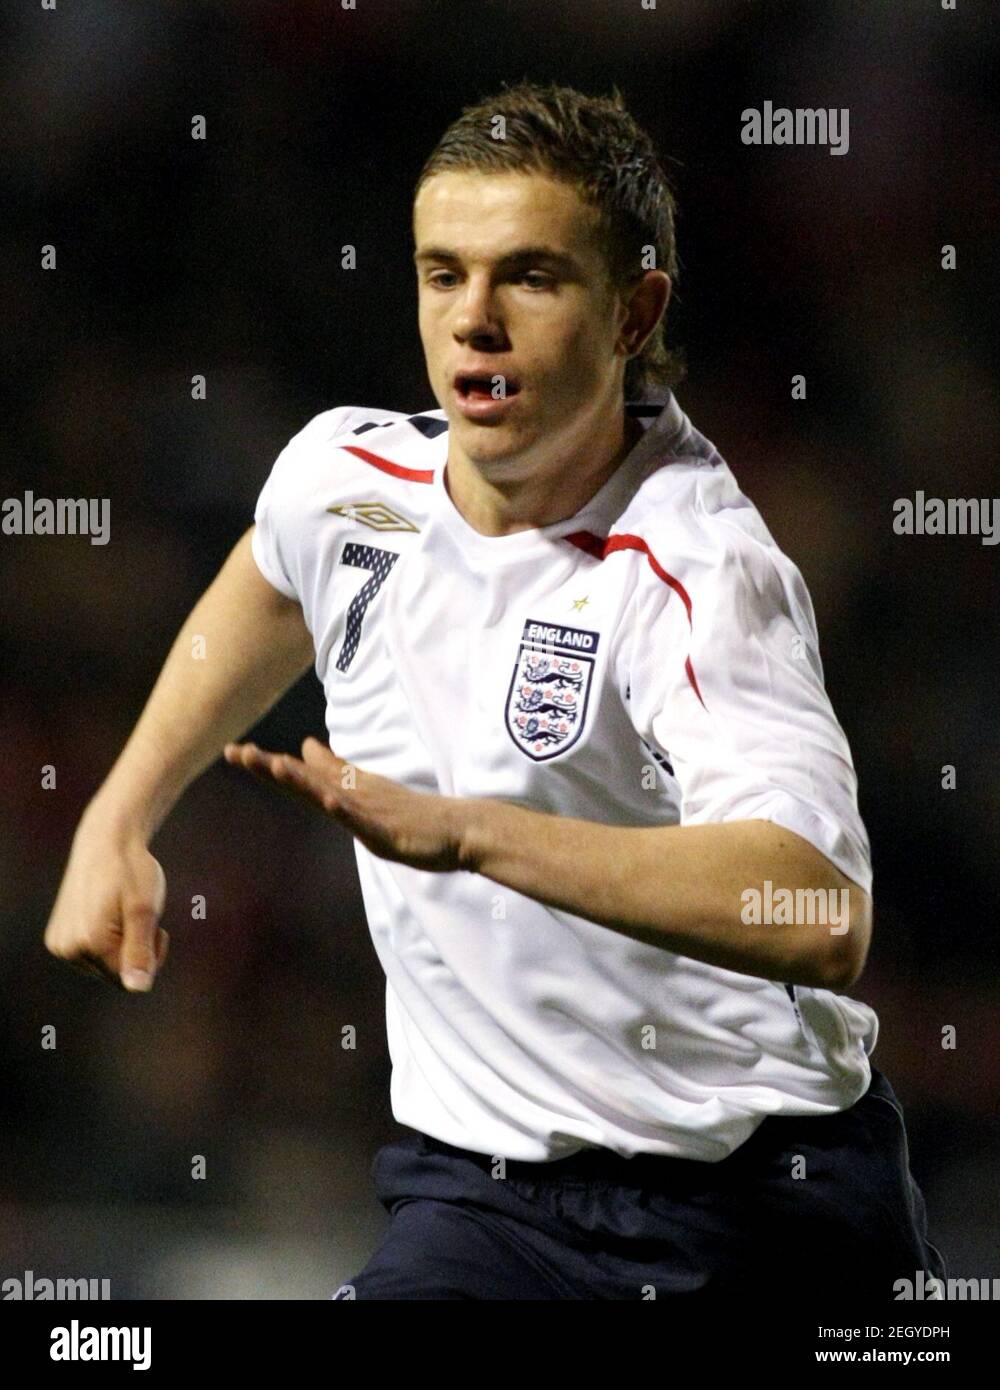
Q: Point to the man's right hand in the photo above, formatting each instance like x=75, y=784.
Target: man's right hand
x=105, y=920
x=241, y=647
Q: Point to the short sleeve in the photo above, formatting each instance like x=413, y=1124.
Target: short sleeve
x=266, y=543
x=726, y=680
x=279, y=535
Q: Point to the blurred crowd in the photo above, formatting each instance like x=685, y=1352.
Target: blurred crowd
x=222, y=257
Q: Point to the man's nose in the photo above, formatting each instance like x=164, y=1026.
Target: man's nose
x=477, y=315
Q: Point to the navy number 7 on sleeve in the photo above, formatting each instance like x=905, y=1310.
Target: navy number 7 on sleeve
x=380, y=562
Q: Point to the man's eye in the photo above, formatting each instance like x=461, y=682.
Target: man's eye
x=534, y=279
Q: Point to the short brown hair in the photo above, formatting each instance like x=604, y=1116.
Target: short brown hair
x=594, y=144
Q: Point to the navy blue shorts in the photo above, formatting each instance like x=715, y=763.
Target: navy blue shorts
x=822, y=1206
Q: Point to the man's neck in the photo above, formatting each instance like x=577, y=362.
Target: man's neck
x=540, y=499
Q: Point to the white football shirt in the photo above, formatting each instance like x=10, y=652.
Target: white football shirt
x=652, y=660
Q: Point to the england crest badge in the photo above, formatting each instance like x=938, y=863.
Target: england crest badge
x=550, y=687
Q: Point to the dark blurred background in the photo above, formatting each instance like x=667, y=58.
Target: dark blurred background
x=223, y=257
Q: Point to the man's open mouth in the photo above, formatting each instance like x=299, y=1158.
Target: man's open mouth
x=480, y=388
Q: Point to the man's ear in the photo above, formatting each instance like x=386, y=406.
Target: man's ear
x=645, y=304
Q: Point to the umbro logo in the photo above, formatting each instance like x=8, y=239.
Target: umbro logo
x=377, y=515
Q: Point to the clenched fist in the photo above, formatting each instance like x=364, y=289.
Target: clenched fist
x=106, y=916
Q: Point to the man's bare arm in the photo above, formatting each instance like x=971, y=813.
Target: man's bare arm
x=682, y=888
x=240, y=649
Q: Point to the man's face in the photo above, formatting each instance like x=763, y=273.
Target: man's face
x=513, y=284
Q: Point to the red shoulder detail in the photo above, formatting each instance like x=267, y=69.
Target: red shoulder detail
x=413, y=475
x=601, y=548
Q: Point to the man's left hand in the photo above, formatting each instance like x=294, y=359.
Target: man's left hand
x=421, y=829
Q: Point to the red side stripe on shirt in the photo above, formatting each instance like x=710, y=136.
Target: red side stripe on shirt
x=600, y=549
x=414, y=475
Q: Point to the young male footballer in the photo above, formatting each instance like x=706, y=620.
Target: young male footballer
x=605, y=818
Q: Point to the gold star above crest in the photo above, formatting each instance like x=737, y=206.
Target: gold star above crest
x=579, y=602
